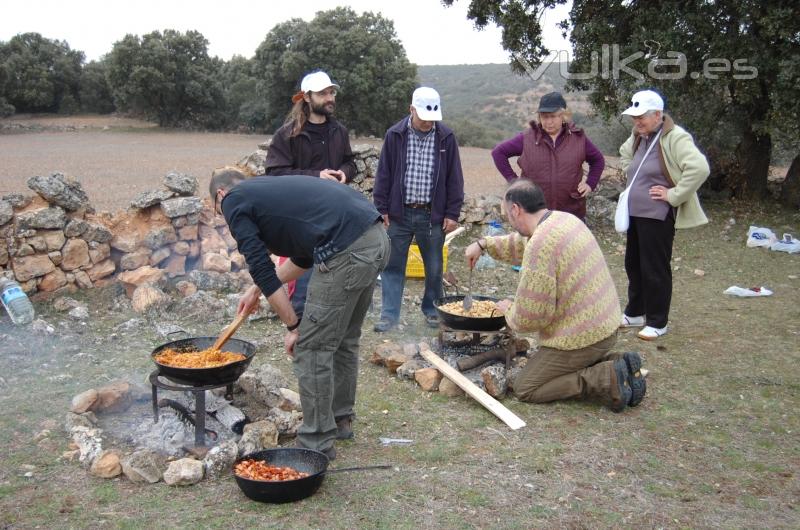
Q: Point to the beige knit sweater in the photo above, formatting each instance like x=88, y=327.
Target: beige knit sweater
x=565, y=290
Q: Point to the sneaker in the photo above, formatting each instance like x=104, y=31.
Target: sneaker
x=330, y=452
x=344, y=428
x=621, y=381
x=651, y=333
x=432, y=321
x=631, y=322
x=384, y=325
x=636, y=378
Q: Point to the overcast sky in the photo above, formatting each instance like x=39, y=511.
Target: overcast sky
x=430, y=33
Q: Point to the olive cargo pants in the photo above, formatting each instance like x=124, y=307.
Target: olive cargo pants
x=326, y=354
x=551, y=374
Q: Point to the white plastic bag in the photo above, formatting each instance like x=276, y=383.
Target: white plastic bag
x=786, y=244
x=622, y=218
x=760, y=237
x=735, y=290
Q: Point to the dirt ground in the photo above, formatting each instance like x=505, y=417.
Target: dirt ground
x=714, y=444
x=117, y=158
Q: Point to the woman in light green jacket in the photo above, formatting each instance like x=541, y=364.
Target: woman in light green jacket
x=664, y=168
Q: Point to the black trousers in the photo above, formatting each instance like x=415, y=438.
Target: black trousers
x=647, y=262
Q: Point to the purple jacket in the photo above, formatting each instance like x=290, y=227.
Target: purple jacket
x=447, y=195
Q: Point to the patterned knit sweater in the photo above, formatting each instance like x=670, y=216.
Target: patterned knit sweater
x=565, y=290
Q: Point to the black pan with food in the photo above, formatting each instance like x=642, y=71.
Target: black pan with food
x=452, y=321
x=300, y=459
x=227, y=373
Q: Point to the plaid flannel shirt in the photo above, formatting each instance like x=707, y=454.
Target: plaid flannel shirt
x=419, y=166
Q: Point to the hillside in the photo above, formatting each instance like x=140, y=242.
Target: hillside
x=486, y=103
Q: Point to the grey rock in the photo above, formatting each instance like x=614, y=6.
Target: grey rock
x=407, y=369
x=25, y=250
x=181, y=206
x=181, y=183
x=53, y=217
x=165, y=330
x=160, y=236
x=601, y=210
x=86, y=420
x=134, y=324
x=75, y=227
x=18, y=200
x=147, y=199
x=264, y=384
x=144, y=466
x=287, y=422
x=214, y=281
x=89, y=442
x=60, y=190
x=184, y=472
x=193, y=218
x=79, y=313
x=258, y=436
x=220, y=458
x=6, y=212
x=97, y=233
x=199, y=305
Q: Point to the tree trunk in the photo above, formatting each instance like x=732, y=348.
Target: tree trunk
x=790, y=191
x=752, y=160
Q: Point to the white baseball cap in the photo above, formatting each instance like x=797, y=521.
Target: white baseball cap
x=426, y=102
x=644, y=101
x=317, y=82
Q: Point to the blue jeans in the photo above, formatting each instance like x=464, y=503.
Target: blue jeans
x=416, y=223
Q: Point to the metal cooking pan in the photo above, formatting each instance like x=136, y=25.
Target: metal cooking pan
x=206, y=376
x=450, y=320
x=308, y=461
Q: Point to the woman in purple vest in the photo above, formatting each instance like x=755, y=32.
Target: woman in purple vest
x=551, y=153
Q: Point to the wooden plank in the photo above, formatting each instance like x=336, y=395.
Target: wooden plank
x=494, y=406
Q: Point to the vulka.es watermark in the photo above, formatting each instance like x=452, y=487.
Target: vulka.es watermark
x=609, y=65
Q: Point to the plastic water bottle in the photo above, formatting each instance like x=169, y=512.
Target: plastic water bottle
x=15, y=301
x=495, y=228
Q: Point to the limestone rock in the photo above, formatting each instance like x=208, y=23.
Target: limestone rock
x=80, y=313
x=98, y=233
x=287, y=422
x=125, y=241
x=494, y=380
x=449, y=388
x=25, y=250
x=210, y=241
x=53, y=280
x=37, y=243
x=53, y=239
x=84, y=401
x=159, y=255
x=99, y=251
x=181, y=206
x=186, y=288
x=184, y=472
x=160, y=236
x=181, y=183
x=44, y=218
x=141, y=275
x=106, y=465
x=147, y=199
x=395, y=361
x=176, y=266
x=220, y=458
x=147, y=296
x=290, y=400
x=87, y=420
x=34, y=266
x=383, y=351
x=257, y=436
x=114, y=397
x=133, y=260
x=6, y=212
x=101, y=270
x=180, y=248
x=428, y=379
x=89, y=442
x=407, y=369
x=75, y=227
x=263, y=384
x=188, y=233
x=144, y=466
x=60, y=190
x=75, y=254
x=214, y=281
x=215, y=263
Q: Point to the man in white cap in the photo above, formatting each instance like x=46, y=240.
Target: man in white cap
x=311, y=142
x=664, y=168
x=419, y=190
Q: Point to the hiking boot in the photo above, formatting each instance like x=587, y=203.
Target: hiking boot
x=384, y=325
x=432, y=321
x=631, y=322
x=620, y=379
x=651, y=333
x=344, y=428
x=330, y=452
x=636, y=379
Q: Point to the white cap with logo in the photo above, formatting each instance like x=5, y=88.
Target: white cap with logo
x=317, y=82
x=644, y=101
x=427, y=103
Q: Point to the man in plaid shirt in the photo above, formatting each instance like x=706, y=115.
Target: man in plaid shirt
x=419, y=190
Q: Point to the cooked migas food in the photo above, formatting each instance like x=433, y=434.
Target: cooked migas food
x=208, y=358
x=259, y=470
x=479, y=309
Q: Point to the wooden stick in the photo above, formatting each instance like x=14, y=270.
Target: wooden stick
x=494, y=406
x=229, y=331
x=467, y=363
